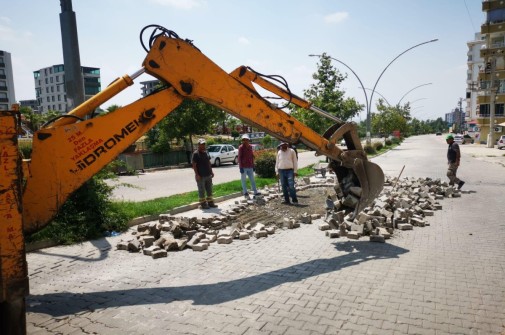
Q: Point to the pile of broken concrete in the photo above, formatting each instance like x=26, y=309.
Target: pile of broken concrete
x=173, y=233
x=403, y=204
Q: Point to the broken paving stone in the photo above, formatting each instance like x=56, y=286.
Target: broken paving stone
x=159, y=254
x=405, y=226
x=357, y=228
x=224, y=239
x=133, y=246
x=149, y=250
x=200, y=247
x=243, y=236
x=353, y=235
x=122, y=245
x=377, y=238
x=270, y=230
x=261, y=233
x=324, y=226
x=333, y=233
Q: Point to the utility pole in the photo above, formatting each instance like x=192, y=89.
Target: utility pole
x=74, y=82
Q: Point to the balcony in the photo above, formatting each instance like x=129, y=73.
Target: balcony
x=489, y=5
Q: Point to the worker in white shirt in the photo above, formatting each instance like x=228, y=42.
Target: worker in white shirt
x=286, y=169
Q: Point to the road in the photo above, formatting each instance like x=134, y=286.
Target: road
x=445, y=278
x=164, y=183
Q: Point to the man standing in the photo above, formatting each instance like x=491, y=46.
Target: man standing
x=453, y=160
x=246, y=165
x=286, y=169
x=203, y=175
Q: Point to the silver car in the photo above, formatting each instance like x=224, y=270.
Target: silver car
x=222, y=153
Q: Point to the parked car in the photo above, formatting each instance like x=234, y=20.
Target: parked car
x=501, y=142
x=439, y=133
x=222, y=153
x=458, y=139
x=463, y=139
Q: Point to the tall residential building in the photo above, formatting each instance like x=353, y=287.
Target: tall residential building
x=492, y=75
x=475, y=64
x=7, y=95
x=50, y=87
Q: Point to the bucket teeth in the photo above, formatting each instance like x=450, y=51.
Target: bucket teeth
x=361, y=181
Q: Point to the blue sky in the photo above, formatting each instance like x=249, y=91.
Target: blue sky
x=273, y=37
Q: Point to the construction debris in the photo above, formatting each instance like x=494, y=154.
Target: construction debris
x=402, y=205
x=172, y=233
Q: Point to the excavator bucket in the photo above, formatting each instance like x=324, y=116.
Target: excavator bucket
x=360, y=180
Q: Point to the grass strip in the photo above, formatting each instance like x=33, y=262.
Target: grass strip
x=163, y=205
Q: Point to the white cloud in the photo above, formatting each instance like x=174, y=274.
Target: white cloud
x=336, y=17
x=180, y=4
x=243, y=40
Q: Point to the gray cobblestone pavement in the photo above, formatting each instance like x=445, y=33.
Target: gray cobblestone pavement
x=446, y=278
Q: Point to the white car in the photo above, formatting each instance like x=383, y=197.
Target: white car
x=222, y=153
x=501, y=142
x=459, y=139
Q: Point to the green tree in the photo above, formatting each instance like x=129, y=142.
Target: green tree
x=192, y=117
x=328, y=96
x=389, y=118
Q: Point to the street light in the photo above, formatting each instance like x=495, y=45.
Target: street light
x=411, y=102
x=368, y=125
x=383, y=97
x=369, y=101
x=411, y=91
x=347, y=66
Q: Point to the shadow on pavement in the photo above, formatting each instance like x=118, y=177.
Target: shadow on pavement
x=102, y=246
x=67, y=303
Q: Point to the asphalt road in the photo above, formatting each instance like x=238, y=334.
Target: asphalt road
x=163, y=183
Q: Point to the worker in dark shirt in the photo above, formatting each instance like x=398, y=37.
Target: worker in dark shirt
x=453, y=161
x=203, y=175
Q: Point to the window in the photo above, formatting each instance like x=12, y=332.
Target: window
x=57, y=78
x=46, y=81
x=58, y=88
x=52, y=98
x=51, y=80
x=47, y=89
x=48, y=99
x=52, y=89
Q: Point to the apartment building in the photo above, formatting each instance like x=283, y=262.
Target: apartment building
x=50, y=87
x=7, y=94
x=475, y=64
x=149, y=86
x=491, y=95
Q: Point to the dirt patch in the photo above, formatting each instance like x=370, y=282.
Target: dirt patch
x=311, y=201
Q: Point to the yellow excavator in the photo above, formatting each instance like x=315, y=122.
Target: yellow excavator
x=71, y=149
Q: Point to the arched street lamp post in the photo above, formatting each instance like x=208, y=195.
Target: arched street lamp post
x=369, y=100
x=399, y=101
x=368, y=123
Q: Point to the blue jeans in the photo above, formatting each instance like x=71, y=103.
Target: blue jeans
x=287, y=178
x=249, y=172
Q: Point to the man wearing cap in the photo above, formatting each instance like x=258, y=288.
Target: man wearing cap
x=203, y=175
x=286, y=169
x=246, y=165
x=453, y=159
